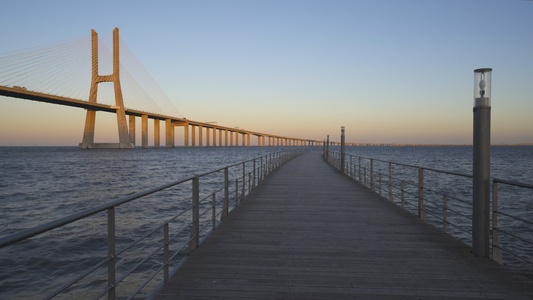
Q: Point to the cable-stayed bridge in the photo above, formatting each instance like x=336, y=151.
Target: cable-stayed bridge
x=69, y=73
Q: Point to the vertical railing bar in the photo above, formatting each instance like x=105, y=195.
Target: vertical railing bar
x=496, y=251
x=351, y=164
x=225, y=210
x=421, y=208
x=214, y=211
x=253, y=186
x=166, y=251
x=260, y=171
x=380, y=183
x=243, y=180
x=372, y=187
x=445, y=213
x=403, y=199
x=391, y=197
x=360, y=180
x=111, y=253
x=236, y=192
x=195, y=230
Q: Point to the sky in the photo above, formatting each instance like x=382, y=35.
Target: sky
x=390, y=71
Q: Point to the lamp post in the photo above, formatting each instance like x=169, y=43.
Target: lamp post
x=343, y=150
x=481, y=163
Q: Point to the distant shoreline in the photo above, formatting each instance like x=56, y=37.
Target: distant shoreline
x=418, y=145
x=335, y=144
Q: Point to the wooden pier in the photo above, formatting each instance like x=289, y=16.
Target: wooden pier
x=309, y=232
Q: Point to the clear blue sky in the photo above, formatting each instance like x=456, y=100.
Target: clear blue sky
x=389, y=70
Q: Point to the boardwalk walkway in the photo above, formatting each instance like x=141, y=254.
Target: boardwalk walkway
x=310, y=233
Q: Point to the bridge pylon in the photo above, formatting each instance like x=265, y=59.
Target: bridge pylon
x=90, y=120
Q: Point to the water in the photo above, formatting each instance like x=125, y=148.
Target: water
x=41, y=184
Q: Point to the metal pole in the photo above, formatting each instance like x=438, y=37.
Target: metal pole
x=195, y=230
x=327, y=149
x=343, y=150
x=111, y=253
x=225, y=209
x=481, y=160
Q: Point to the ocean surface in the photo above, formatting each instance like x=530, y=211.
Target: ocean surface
x=41, y=184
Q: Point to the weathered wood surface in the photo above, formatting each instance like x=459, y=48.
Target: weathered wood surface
x=311, y=233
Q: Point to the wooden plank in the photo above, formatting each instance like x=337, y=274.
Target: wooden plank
x=309, y=232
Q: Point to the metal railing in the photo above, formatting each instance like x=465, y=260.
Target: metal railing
x=444, y=199
x=168, y=244
x=509, y=231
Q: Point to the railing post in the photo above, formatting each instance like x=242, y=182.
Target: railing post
x=111, y=253
x=445, y=213
x=214, y=211
x=391, y=197
x=421, y=209
x=195, y=230
x=166, y=252
x=225, y=210
x=351, y=166
x=496, y=252
x=236, y=192
x=360, y=180
x=403, y=198
x=260, y=172
x=254, y=175
x=380, y=183
x=372, y=175
x=243, y=179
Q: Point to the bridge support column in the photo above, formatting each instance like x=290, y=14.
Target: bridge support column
x=144, y=123
x=248, y=138
x=88, y=133
x=168, y=134
x=157, y=133
x=193, y=136
x=186, y=135
x=90, y=122
x=132, y=130
x=225, y=137
x=200, y=136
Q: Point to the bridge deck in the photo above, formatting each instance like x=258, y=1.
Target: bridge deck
x=310, y=233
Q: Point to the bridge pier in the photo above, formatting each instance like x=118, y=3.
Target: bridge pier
x=156, y=133
x=200, y=136
x=186, y=135
x=132, y=129
x=144, y=123
x=193, y=136
x=168, y=133
x=90, y=121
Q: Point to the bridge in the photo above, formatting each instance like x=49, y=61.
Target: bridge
x=17, y=79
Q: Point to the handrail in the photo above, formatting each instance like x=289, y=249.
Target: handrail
x=355, y=172
x=30, y=232
x=267, y=164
